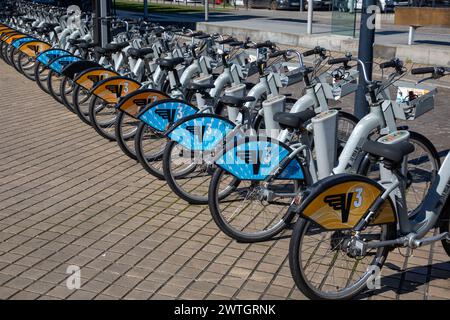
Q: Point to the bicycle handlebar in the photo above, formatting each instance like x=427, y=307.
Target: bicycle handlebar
x=316, y=50
x=423, y=70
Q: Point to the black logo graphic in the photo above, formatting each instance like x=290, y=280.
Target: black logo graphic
x=115, y=88
x=95, y=77
x=143, y=102
x=34, y=47
x=65, y=62
x=341, y=202
x=51, y=56
x=198, y=131
x=250, y=157
x=167, y=114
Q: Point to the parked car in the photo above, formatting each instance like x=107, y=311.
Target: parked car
x=384, y=5
x=288, y=4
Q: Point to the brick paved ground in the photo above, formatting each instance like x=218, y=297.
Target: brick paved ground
x=69, y=197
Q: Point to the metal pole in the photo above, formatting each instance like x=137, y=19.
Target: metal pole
x=145, y=9
x=310, y=16
x=206, y=10
x=301, y=5
x=105, y=26
x=365, y=54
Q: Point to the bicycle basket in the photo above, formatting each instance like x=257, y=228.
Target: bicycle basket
x=339, y=84
x=413, y=100
x=289, y=72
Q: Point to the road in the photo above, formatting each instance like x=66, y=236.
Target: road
x=295, y=22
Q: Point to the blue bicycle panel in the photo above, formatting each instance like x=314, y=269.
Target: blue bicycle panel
x=59, y=64
x=17, y=43
x=257, y=159
x=163, y=113
x=49, y=55
x=201, y=133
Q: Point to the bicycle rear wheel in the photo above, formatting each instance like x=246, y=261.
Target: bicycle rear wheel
x=246, y=214
x=66, y=93
x=81, y=101
x=126, y=128
x=103, y=118
x=321, y=267
x=40, y=76
x=149, y=146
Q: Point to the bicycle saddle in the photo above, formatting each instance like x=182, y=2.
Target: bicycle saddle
x=236, y=101
x=111, y=48
x=28, y=20
x=85, y=45
x=391, y=152
x=75, y=41
x=114, y=47
x=296, y=120
x=50, y=25
x=170, y=63
x=139, y=53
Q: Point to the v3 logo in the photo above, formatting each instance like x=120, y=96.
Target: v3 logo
x=117, y=89
x=34, y=47
x=167, y=114
x=198, y=131
x=96, y=78
x=250, y=157
x=144, y=102
x=343, y=202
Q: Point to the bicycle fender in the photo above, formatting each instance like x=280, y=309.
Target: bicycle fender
x=47, y=56
x=132, y=103
x=341, y=201
x=60, y=63
x=33, y=48
x=7, y=33
x=257, y=158
x=200, y=132
x=112, y=89
x=78, y=67
x=89, y=78
x=11, y=37
x=17, y=43
x=161, y=114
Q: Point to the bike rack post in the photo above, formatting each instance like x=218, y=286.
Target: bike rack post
x=365, y=54
x=102, y=21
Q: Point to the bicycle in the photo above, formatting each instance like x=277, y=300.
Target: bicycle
x=347, y=224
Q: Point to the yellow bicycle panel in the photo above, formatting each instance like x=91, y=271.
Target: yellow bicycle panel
x=131, y=105
x=89, y=79
x=10, y=39
x=32, y=49
x=342, y=206
x=112, y=90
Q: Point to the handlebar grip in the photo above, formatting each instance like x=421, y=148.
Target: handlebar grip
x=225, y=41
x=309, y=52
x=338, y=60
x=316, y=50
x=195, y=34
x=423, y=70
x=266, y=44
x=235, y=43
x=388, y=64
x=277, y=53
